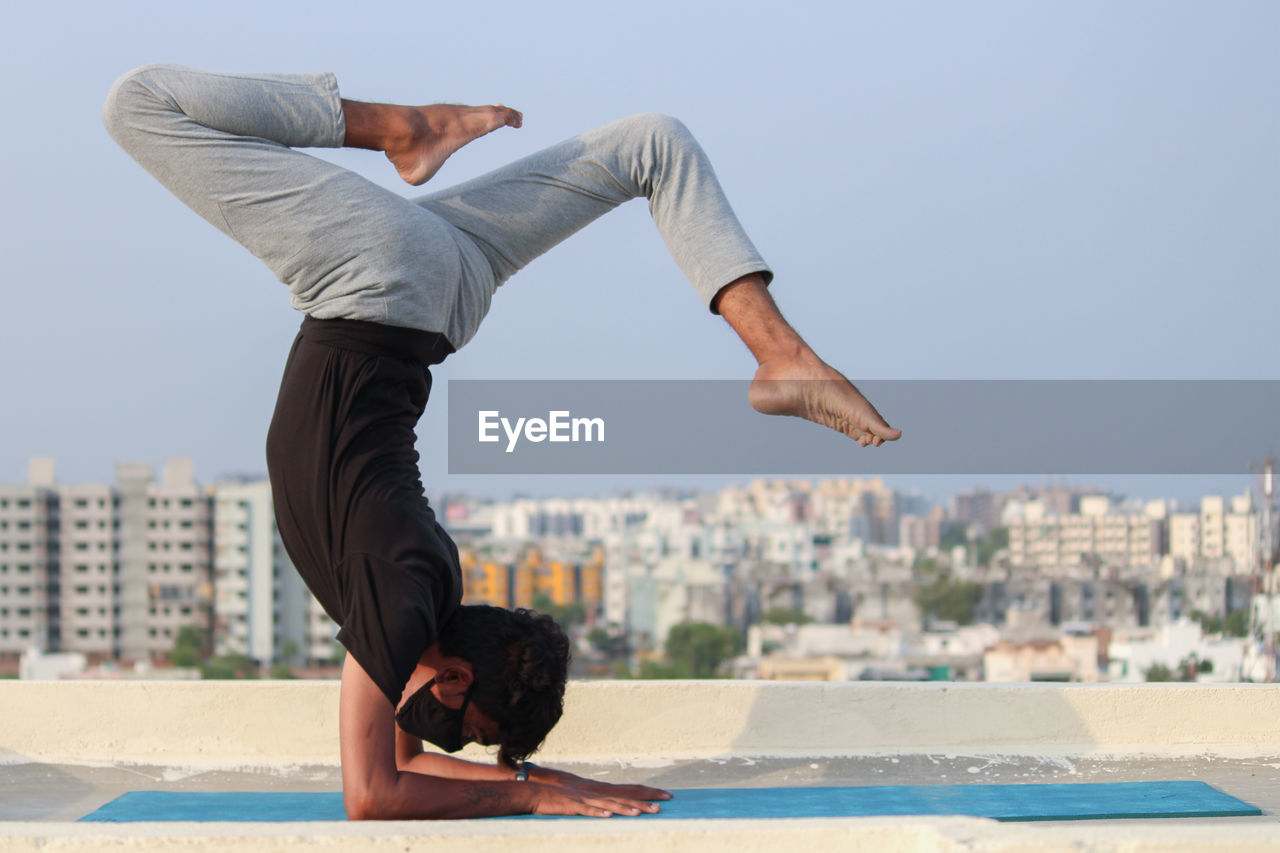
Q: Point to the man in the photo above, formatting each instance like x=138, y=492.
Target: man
x=389, y=287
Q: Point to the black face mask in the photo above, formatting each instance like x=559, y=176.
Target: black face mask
x=425, y=716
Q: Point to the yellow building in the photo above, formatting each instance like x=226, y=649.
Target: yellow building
x=487, y=583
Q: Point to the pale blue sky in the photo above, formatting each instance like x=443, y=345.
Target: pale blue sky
x=946, y=190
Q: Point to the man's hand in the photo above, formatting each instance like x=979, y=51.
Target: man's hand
x=592, y=788
x=554, y=799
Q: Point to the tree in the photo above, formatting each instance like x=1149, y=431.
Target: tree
x=565, y=614
x=1208, y=624
x=694, y=650
x=288, y=654
x=188, y=647
x=612, y=646
x=924, y=565
x=1158, y=672
x=949, y=600
x=229, y=666
x=996, y=540
x=1191, y=666
x=1237, y=623
x=785, y=616
x=956, y=534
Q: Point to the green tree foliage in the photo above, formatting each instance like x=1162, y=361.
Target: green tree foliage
x=785, y=616
x=1209, y=624
x=229, y=666
x=956, y=534
x=612, y=646
x=1237, y=623
x=1188, y=668
x=1191, y=666
x=949, y=600
x=565, y=614
x=188, y=647
x=924, y=565
x=281, y=671
x=283, y=668
x=996, y=540
x=694, y=650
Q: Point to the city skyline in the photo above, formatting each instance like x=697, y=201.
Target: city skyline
x=937, y=489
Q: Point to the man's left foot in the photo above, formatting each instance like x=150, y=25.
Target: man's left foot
x=438, y=131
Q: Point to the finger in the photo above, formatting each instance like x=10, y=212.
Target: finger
x=620, y=806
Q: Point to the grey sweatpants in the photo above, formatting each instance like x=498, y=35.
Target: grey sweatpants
x=349, y=249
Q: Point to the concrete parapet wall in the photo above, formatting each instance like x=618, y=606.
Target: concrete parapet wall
x=221, y=723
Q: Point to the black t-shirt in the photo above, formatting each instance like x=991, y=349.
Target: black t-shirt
x=349, y=502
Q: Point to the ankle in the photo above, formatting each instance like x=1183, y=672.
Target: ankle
x=380, y=127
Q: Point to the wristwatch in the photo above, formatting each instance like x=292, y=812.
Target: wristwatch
x=522, y=772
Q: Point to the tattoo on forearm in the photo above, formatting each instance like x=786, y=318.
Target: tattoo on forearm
x=478, y=795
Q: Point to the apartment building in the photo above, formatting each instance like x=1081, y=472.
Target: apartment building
x=262, y=608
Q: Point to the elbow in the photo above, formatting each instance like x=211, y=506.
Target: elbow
x=360, y=804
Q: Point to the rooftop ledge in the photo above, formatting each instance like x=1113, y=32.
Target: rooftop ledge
x=263, y=723
x=82, y=742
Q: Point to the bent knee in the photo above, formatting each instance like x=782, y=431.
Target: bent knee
x=129, y=97
x=658, y=127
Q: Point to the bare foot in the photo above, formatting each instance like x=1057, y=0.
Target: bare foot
x=438, y=130
x=806, y=387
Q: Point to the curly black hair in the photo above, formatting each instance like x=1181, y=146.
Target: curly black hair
x=520, y=660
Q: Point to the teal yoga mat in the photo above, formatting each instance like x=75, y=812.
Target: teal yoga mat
x=1084, y=801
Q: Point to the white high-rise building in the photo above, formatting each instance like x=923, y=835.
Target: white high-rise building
x=89, y=549
x=262, y=607
x=28, y=564
x=112, y=571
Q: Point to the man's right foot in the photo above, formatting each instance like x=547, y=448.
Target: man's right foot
x=435, y=132
x=806, y=387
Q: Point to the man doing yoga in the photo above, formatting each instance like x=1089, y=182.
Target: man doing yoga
x=390, y=286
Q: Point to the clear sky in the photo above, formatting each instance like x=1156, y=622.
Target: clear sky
x=967, y=190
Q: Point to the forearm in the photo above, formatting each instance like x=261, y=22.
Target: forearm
x=448, y=767
x=413, y=796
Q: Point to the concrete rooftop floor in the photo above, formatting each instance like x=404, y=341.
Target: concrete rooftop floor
x=68, y=748
x=67, y=792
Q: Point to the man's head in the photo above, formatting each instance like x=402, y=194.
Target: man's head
x=520, y=662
